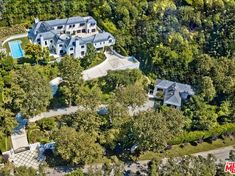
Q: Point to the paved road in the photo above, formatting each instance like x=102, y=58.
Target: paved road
x=72, y=109
x=53, y=113
x=220, y=154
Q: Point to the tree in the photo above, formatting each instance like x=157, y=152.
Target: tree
x=89, y=97
x=154, y=168
x=115, y=79
x=118, y=168
x=2, y=54
x=203, y=64
x=7, y=64
x=142, y=130
x=118, y=113
x=31, y=92
x=107, y=168
x=89, y=57
x=70, y=71
x=223, y=75
x=220, y=170
x=189, y=165
x=7, y=121
x=207, y=88
x=24, y=171
x=84, y=120
x=35, y=53
x=131, y=96
x=232, y=155
x=174, y=118
x=77, y=147
x=46, y=124
x=77, y=172
x=203, y=115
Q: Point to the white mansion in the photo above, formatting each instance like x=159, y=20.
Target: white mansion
x=69, y=36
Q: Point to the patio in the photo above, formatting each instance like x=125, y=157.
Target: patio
x=27, y=158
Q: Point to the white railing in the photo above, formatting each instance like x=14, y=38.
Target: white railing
x=122, y=57
x=117, y=54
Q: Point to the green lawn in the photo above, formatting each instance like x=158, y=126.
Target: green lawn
x=24, y=41
x=5, y=143
x=188, y=149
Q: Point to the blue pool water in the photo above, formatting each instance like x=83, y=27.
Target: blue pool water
x=16, y=49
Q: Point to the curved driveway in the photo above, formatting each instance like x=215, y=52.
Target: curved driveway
x=113, y=61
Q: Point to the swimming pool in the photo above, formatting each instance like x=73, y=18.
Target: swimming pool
x=16, y=49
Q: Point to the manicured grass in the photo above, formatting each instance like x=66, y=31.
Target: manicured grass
x=189, y=149
x=5, y=143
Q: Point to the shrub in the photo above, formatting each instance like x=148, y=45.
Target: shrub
x=47, y=124
x=199, y=135
x=35, y=136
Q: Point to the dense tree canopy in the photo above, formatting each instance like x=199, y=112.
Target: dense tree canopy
x=77, y=147
x=152, y=130
x=190, y=41
x=31, y=92
x=70, y=71
x=36, y=54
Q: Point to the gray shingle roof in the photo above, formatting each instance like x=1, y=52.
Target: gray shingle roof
x=75, y=20
x=172, y=96
x=44, y=27
x=100, y=37
x=163, y=84
x=174, y=92
x=104, y=36
x=46, y=30
x=57, y=22
x=49, y=35
x=71, y=20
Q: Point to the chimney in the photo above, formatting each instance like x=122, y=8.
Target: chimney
x=36, y=20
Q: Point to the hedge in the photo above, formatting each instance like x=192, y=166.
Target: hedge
x=196, y=135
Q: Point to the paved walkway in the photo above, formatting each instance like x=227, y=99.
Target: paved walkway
x=22, y=153
x=19, y=139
